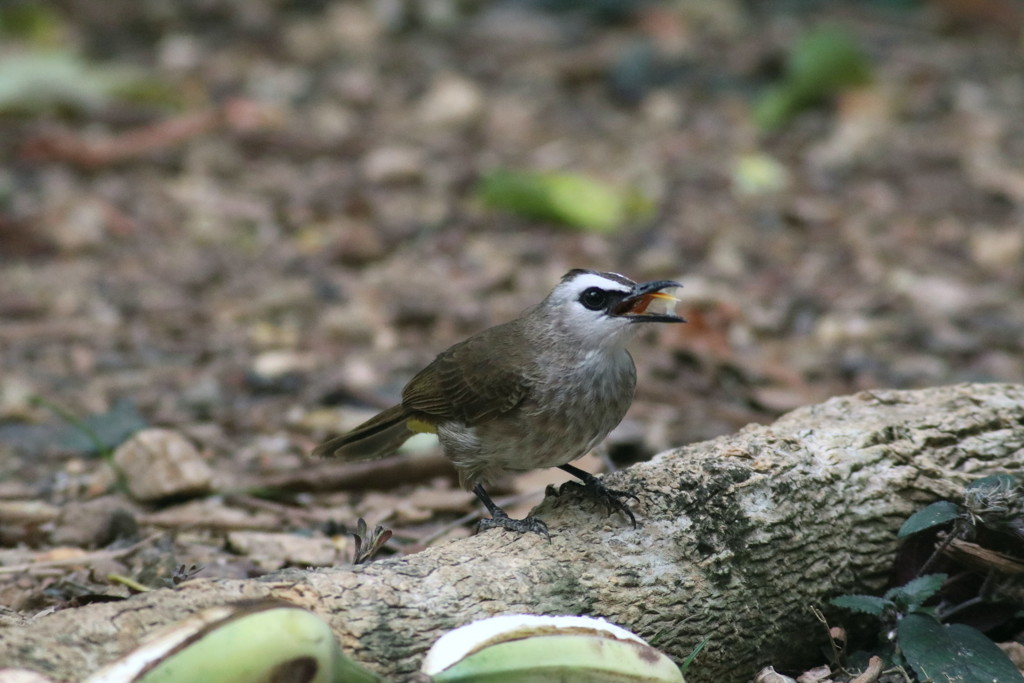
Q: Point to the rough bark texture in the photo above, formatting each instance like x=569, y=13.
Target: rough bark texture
x=739, y=537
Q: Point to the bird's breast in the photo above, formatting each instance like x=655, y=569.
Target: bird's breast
x=574, y=409
x=570, y=408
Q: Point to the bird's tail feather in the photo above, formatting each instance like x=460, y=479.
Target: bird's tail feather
x=378, y=437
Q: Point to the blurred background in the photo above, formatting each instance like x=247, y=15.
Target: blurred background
x=252, y=222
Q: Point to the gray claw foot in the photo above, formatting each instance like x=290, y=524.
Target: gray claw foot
x=525, y=525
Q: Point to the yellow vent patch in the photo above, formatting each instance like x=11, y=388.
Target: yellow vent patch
x=420, y=426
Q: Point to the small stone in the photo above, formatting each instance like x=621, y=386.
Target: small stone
x=451, y=101
x=61, y=554
x=203, y=394
x=22, y=519
x=514, y=26
x=354, y=26
x=358, y=242
x=997, y=249
x=333, y=124
x=211, y=513
x=27, y=511
x=280, y=371
x=93, y=523
x=160, y=463
x=663, y=109
x=393, y=165
x=941, y=294
x=16, y=398
x=79, y=225
x=1015, y=651
x=770, y=675
x=272, y=364
x=864, y=122
x=757, y=173
x=275, y=550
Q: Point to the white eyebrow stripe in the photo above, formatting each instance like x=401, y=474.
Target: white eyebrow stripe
x=588, y=280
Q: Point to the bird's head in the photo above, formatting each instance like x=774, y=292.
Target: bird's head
x=600, y=309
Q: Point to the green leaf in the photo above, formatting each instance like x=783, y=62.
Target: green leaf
x=868, y=604
x=567, y=198
x=693, y=655
x=939, y=512
x=1006, y=481
x=952, y=653
x=777, y=106
x=98, y=434
x=43, y=80
x=759, y=174
x=824, y=62
x=33, y=22
x=916, y=592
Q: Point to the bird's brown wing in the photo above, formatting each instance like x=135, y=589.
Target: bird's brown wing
x=473, y=381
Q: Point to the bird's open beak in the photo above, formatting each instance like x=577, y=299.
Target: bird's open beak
x=651, y=302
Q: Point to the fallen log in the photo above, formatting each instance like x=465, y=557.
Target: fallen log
x=739, y=538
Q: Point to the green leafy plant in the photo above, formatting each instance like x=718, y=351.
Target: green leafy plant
x=994, y=503
x=915, y=617
x=96, y=434
x=954, y=652
x=896, y=601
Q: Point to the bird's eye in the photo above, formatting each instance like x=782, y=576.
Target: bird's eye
x=594, y=298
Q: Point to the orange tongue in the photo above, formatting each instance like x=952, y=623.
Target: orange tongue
x=646, y=299
x=643, y=303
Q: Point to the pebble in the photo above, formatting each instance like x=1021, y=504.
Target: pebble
x=997, y=249
x=275, y=550
x=161, y=463
x=393, y=165
x=79, y=225
x=451, y=101
x=16, y=398
x=22, y=519
x=93, y=523
x=271, y=364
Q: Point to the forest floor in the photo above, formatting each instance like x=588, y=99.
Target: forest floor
x=265, y=248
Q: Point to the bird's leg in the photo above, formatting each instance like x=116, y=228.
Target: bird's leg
x=499, y=518
x=593, y=487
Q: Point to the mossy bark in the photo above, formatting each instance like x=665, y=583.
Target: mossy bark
x=739, y=538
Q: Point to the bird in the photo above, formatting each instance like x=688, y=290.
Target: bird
x=540, y=390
